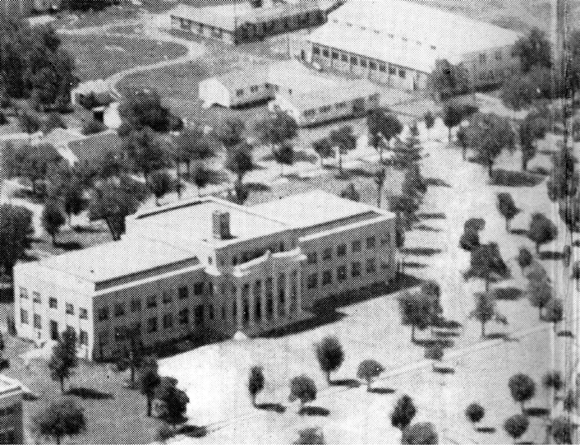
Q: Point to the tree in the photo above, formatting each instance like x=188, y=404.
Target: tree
x=553, y=381
x=403, y=412
x=518, y=92
x=64, y=357
x=255, y=382
x=469, y=240
x=562, y=430
x=524, y=258
x=230, y=133
x=507, y=208
x=368, y=370
x=531, y=129
x=564, y=179
x=172, y=401
x=53, y=121
x=422, y=433
x=329, y=354
x=486, y=311
x=489, y=134
x=522, y=388
x=463, y=141
x=542, y=230
x=452, y=116
x=142, y=109
x=448, y=80
x=434, y=352
x=60, y=419
x=533, y=49
x=570, y=402
x=239, y=160
x=29, y=123
x=133, y=359
x=144, y=151
x=149, y=380
x=379, y=177
x=381, y=125
x=344, y=140
x=323, y=149
x=487, y=264
x=310, y=436
x=52, y=219
x=516, y=425
x=569, y=211
x=554, y=312
x=576, y=274
x=160, y=184
x=191, y=146
x=66, y=185
x=93, y=127
x=417, y=310
x=302, y=388
x=540, y=292
x=16, y=231
x=277, y=130
x=474, y=413
x=350, y=192
x=429, y=119
x=284, y=155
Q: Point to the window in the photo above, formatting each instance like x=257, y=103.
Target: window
x=327, y=253
x=152, y=325
x=402, y=73
x=344, y=58
x=326, y=277
x=372, y=65
x=316, y=50
x=103, y=313
x=151, y=301
x=36, y=297
x=184, y=316
x=340, y=105
x=8, y=436
x=70, y=309
x=386, y=239
x=341, y=273
x=119, y=309
x=167, y=321
x=211, y=312
x=482, y=58
x=353, y=60
x=52, y=303
x=371, y=265
x=183, y=293
x=498, y=55
x=384, y=265
x=356, y=246
x=392, y=70
x=120, y=333
x=84, y=337
x=309, y=113
x=83, y=313
x=334, y=55
x=325, y=53
x=254, y=88
x=23, y=293
x=166, y=297
x=198, y=288
x=23, y=316
x=363, y=62
x=355, y=269
x=312, y=258
x=239, y=93
x=199, y=314
x=341, y=250
x=325, y=109
x=382, y=67
x=135, y=305
x=37, y=321
x=371, y=242
x=103, y=338
x=312, y=281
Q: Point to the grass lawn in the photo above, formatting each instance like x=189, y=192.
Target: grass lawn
x=98, y=57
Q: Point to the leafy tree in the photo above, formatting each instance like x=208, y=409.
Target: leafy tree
x=255, y=382
x=554, y=382
x=344, y=140
x=475, y=413
x=144, y=151
x=448, y=80
x=368, y=370
x=539, y=293
x=66, y=186
x=64, y=357
x=134, y=357
x=564, y=179
x=487, y=263
x=350, y=192
x=173, y=401
x=463, y=141
x=434, y=352
x=15, y=232
x=230, y=133
x=93, y=127
x=191, y=146
x=329, y=354
x=507, y=208
x=423, y=433
x=524, y=258
x=486, y=311
x=554, y=311
x=570, y=402
x=475, y=224
x=562, y=430
x=576, y=273
x=381, y=125
x=489, y=134
x=417, y=310
x=569, y=211
x=379, y=177
x=531, y=129
x=60, y=419
x=239, y=160
x=323, y=149
x=149, y=380
x=414, y=185
x=241, y=192
x=302, y=388
x=29, y=123
x=160, y=184
x=277, y=130
x=142, y=108
x=32, y=162
x=54, y=120
x=533, y=49
x=429, y=119
x=405, y=207
x=403, y=412
x=516, y=425
x=522, y=388
x=542, y=230
x=310, y=436
x=200, y=176
x=469, y=240
x=452, y=116
x=52, y=219
x=284, y=155
x=518, y=92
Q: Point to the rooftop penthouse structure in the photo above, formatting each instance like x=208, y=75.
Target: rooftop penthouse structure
x=204, y=265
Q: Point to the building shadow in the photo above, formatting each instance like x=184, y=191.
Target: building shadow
x=431, y=215
x=381, y=390
x=314, y=411
x=508, y=293
x=414, y=265
x=436, y=182
x=486, y=429
x=350, y=383
x=89, y=393
x=550, y=255
x=537, y=411
x=193, y=431
x=257, y=187
x=426, y=228
x=274, y=407
x=420, y=251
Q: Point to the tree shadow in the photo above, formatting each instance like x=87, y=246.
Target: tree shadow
x=420, y=251
x=382, y=390
x=521, y=232
x=486, y=429
x=444, y=323
x=350, y=383
x=68, y=245
x=565, y=334
x=446, y=334
x=314, y=411
x=514, y=178
x=507, y=293
x=193, y=431
x=275, y=407
x=549, y=255
x=257, y=187
x=443, y=370
x=431, y=215
x=436, y=182
x=86, y=229
x=426, y=228
x=89, y=393
x=429, y=342
x=537, y=411
x=296, y=177
x=501, y=336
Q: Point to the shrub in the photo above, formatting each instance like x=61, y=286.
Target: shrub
x=469, y=241
x=510, y=178
x=330, y=355
x=403, y=412
x=368, y=370
x=475, y=412
x=516, y=425
x=524, y=258
x=522, y=388
x=423, y=433
x=302, y=388
x=310, y=436
x=93, y=127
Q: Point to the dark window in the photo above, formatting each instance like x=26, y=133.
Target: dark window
x=83, y=313
x=353, y=60
x=392, y=70
x=356, y=269
x=37, y=321
x=341, y=250
x=326, y=277
x=23, y=316
x=135, y=305
x=152, y=324
x=325, y=53
x=23, y=293
x=152, y=301
x=52, y=303
x=312, y=258
x=363, y=63
x=184, y=316
x=335, y=55
x=166, y=297
x=402, y=73
x=312, y=281
x=341, y=273
x=327, y=253
x=344, y=57
x=183, y=293
x=103, y=313
x=372, y=65
x=36, y=297
x=371, y=242
x=70, y=309
x=167, y=321
x=119, y=309
x=198, y=288
x=371, y=265
x=386, y=239
x=84, y=337
x=382, y=67
x=356, y=246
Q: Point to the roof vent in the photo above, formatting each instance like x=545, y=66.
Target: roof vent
x=221, y=224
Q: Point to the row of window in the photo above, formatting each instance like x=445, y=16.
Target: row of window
x=37, y=323
x=253, y=89
x=248, y=256
x=8, y=410
x=53, y=303
x=497, y=55
x=8, y=436
x=497, y=74
x=358, y=60
x=341, y=249
x=341, y=273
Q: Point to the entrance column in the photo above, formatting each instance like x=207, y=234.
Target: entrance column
x=263, y=303
x=275, y=294
x=288, y=292
x=239, y=307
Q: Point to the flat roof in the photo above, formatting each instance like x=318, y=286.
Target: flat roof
x=95, y=146
x=117, y=259
x=316, y=208
x=403, y=33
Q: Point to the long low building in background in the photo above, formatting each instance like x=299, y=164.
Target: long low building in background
x=24, y=8
x=206, y=265
x=399, y=43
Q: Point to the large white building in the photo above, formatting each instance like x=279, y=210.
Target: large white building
x=399, y=42
x=206, y=265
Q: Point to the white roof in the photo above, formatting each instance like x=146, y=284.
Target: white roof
x=407, y=34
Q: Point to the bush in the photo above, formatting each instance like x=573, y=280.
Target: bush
x=164, y=433
x=469, y=241
x=516, y=425
x=509, y=178
x=29, y=123
x=475, y=412
x=524, y=258
x=423, y=433
x=93, y=127
x=53, y=121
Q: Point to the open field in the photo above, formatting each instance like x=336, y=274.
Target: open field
x=98, y=57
